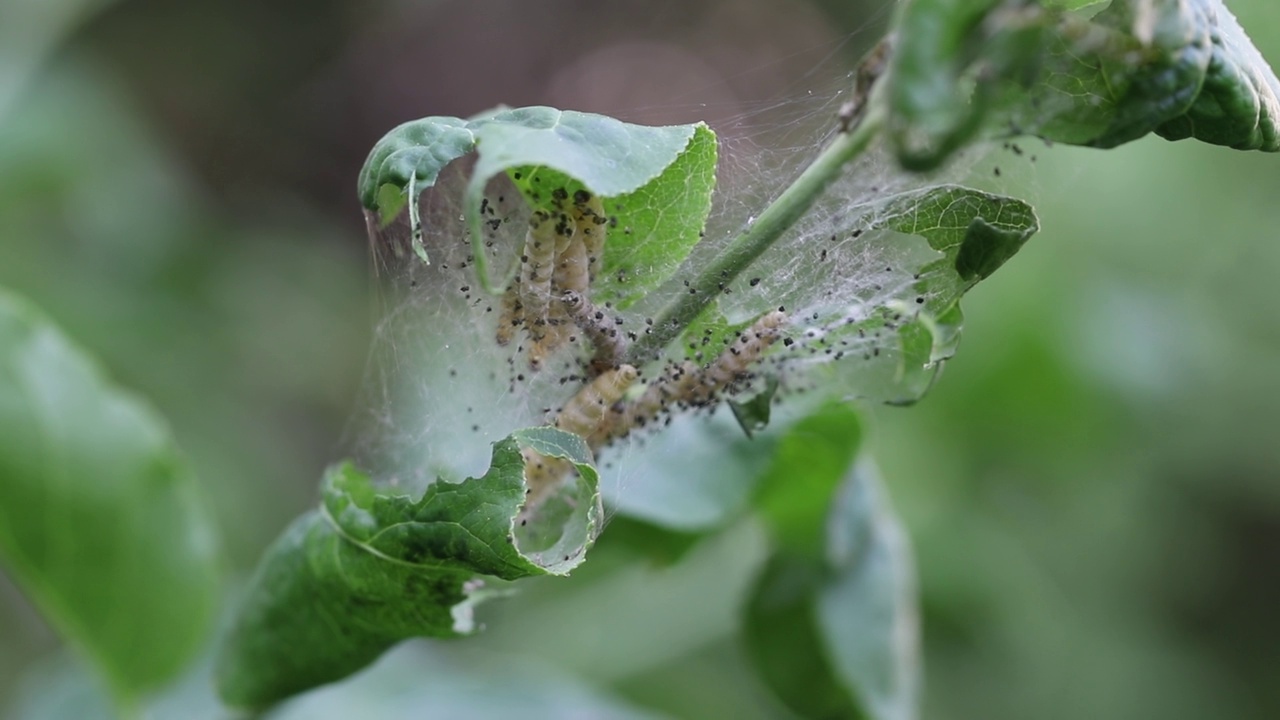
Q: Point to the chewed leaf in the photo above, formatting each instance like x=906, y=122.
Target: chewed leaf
x=101, y=523
x=368, y=569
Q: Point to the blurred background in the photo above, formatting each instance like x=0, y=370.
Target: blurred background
x=1093, y=487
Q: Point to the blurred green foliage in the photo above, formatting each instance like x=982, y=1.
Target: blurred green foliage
x=1093, y=487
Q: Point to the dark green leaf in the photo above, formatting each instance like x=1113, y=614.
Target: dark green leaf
x=101, y=523
x=949, y=60
x=832, y=623
x=1179, y=68
x=369, y=569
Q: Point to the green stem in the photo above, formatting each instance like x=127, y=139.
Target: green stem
x=776, y=219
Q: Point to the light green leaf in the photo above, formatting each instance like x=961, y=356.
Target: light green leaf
x=694, y=475
x=656, y=182
x=369, y=568
x=832, y=623
x=893, y=348
x=101, y=523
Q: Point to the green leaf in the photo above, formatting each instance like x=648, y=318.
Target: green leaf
x=694, y=475
x=30, y=32
x=950, y=59
x=101, y=523
x=832, y=623
x=1239, y=101
x=893, y=350
x=1179, y=68
x=369, y=569
x=656, y=182
x=807, y=466
x=702, y=471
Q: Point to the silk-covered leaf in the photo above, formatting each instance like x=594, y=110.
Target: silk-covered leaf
x=655, y=182
x=892, y=349
x=370, y=568
x=101, y=522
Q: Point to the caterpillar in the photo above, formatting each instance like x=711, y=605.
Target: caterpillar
x=601, y=329
x=527, y=299
x=584, y=415
x=562, y=251
x=687, y=385
x=590, y=221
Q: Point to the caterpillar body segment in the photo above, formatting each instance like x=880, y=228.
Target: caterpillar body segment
x=512, y=316
x=591, y=224
x=674, y=387
x=584, y=412
x=601, y=329
x=737, y=359
x=571, y=271
x=562, y=251
x=535, y=284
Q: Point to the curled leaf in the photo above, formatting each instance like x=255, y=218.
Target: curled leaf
x=368, y=569
x=656, y=182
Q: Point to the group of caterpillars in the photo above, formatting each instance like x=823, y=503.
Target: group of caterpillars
x=549, y=298
x=600, y=411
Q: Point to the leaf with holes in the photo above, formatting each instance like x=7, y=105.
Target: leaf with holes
x=368, y=569
x=101, y=523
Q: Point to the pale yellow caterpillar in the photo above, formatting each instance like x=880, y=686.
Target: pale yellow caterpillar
x=743, y=352
x=571, y=273
x=584, y=415
x=534, y=289
x=671, y=388
x=590, y=220
x=584, y=412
